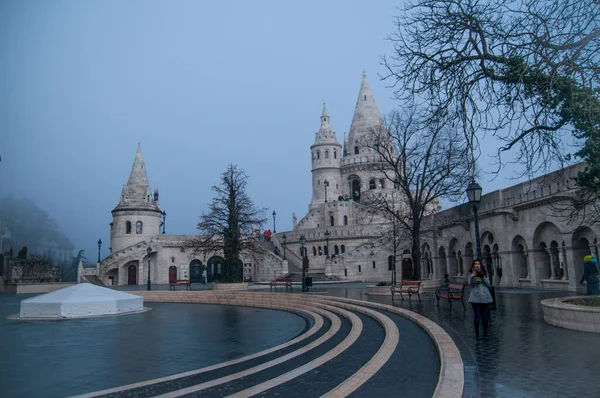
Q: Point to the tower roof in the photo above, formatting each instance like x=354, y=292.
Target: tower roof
x=366, y=113
x=138, y=174
x=325, y=135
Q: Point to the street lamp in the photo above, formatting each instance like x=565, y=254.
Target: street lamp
x=474, y=194
x=274, y=214
x=99, y=246
x=284, y=239
x=149, y=251
x=164, y=213
x=327, y=234
x=302, y=242
x=326, y=184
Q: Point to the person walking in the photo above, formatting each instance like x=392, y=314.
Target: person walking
x=480, y=297
x=591, y=275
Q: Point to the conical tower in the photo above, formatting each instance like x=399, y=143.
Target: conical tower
x=137, y=217
x=326, y=157
x=360, y=166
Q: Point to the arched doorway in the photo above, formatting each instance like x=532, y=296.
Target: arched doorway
x=355, y=188
x=214, y=269
x=196, y=269
x=172, y=273
x=132, y=275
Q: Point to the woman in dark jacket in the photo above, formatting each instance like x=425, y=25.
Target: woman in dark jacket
x=480, y=296
x=590, y=275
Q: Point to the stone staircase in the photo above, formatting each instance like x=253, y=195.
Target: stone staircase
x=94, y=280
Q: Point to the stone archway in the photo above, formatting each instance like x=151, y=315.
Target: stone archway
x=453, y=258
x=545, y=256
x=442, y=261
x=214, y=267
x=354, y=184
x=112, y=277
x=196, y=269
x=582, y=239
x=519, y=261
x=132, y=272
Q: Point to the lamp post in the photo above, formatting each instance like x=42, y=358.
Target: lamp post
x=164, y=221
x=474, y=194
x=149, y=284
x=327, y=234
x=274, y=214
x=326, y=184
x=99, y=246
x=284, y=239
x=302, y=242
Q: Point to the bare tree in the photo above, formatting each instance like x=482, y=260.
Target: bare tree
x=228, y=224
x=526, y=72
x=424, y=165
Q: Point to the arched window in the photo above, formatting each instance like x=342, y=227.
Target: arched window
x=320, y=251
x=335, y=154
x=138, y=227
x=345, y=220
x=128, y=227
x=356, y=150
x=326, y=154
x=343, y=248
x=318, y=155
x=336, y=250
x=314, y=251
x=382, y=183
x=372, y=184
x=326, y=250
x=331, y=220
x=359, y=269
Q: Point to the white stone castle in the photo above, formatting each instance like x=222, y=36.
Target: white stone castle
x=520, y=234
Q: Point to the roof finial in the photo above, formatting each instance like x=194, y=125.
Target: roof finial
x=324, y=113
x=364, y=74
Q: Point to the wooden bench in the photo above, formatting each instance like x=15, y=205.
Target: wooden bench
x=453, y=292
x=287, y=282
x=180, y=282
x=408, y=287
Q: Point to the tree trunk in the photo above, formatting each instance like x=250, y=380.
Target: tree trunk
x=416, y=251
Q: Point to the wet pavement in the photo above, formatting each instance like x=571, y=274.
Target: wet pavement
x=523, y=357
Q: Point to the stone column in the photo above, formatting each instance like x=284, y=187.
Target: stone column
x=552, y=264
x=528, y=264
x=563, y=254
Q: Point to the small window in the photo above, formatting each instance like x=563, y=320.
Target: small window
x=172, y=259
x=128, y=227
x=343, y=248
x=382, y=184
x=334, y=154
x=318, y=182
x=331, y=220
x=359, y=268
x=345, y=220
x=356, y=150
x=326, y=154
x=326, y=250
x=320, y=251
x=365, y=97
x=318, y=155
x=336, y=186
x=314, y=251
x=336, y=250
x=138, y=227
x=182, y=249
x=374, y=264
x=372, y=184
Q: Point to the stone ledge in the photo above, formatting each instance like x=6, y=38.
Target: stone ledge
x=569, y=316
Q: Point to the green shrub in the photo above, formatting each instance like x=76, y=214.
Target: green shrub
x=589, y=302
x=384, y=284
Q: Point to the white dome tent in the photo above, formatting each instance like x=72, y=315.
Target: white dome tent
x=81, y=301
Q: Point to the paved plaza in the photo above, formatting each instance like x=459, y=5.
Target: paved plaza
x=524, y=357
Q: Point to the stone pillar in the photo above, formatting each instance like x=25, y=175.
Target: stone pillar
x=552, y=264
x=563, y=256
x=528, y=265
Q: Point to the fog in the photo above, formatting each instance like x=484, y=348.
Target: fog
x=198, y=84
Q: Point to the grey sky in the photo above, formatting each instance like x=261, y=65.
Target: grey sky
x=199, y=84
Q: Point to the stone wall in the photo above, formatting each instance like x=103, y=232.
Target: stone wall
x=17, y=270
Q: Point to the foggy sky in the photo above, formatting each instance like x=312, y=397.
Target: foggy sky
x=199, y=84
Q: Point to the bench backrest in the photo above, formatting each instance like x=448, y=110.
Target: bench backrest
x=454, y=286
x=283, y=279
x=411, y=283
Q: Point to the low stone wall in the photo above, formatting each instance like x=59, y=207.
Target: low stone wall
x=570, y=316
x=230, y=286
x=31, y=288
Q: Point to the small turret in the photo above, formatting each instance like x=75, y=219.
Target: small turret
x=326, y=157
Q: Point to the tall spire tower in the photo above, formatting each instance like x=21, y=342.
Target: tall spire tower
x=326, y=156
x=137, y=217
x=366, y=116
